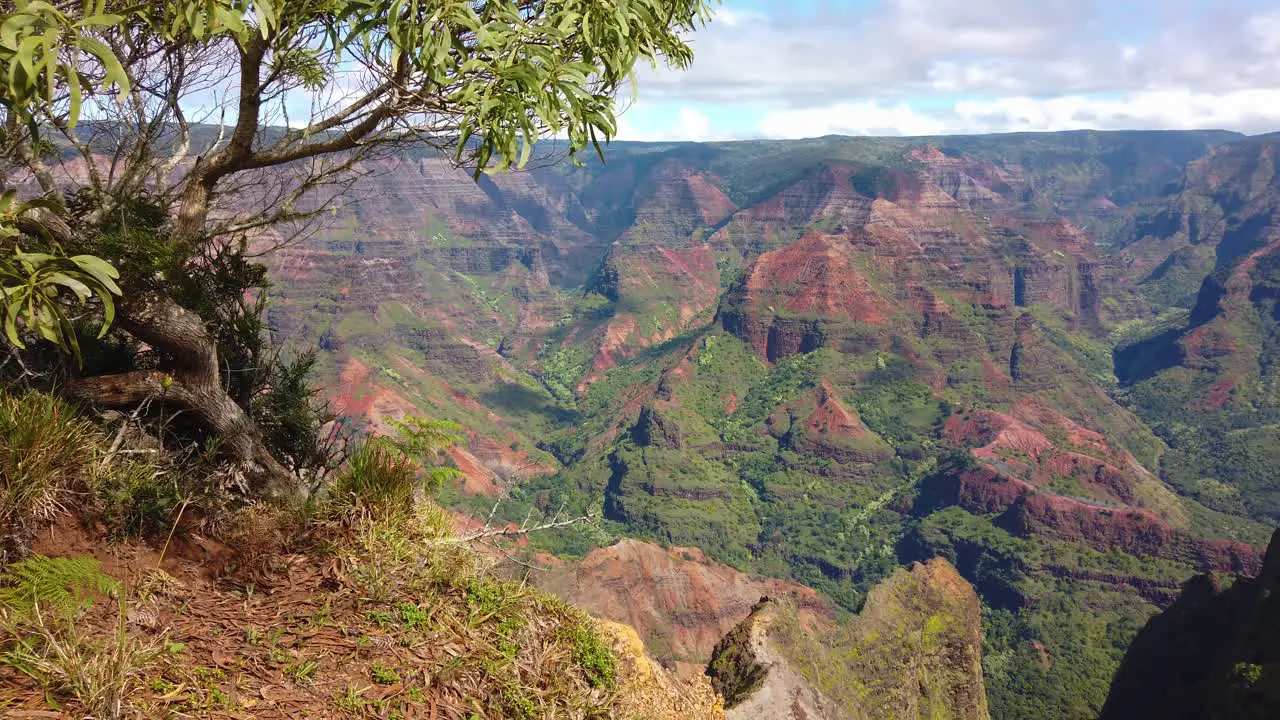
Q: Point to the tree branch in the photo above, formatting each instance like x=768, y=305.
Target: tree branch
x=509, y=531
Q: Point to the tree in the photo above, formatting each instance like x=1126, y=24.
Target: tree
x=479, y=79
x=43, y=50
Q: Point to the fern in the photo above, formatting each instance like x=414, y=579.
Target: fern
x=63, y=586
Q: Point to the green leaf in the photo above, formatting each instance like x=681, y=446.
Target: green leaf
x=75, y=90
x=100, y=269
x=81, y=290
x=11, y=325
x=114, y=71
x=108, y=314
x=102, y=20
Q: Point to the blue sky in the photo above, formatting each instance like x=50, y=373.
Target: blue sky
x=804, y=68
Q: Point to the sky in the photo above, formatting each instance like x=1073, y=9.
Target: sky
x=807, y=68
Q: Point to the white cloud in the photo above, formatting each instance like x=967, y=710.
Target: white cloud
x=907, y=67
x=909, y=48
x=690, y=124
x=694, y=125
x=1247, y=110
x=861, y=118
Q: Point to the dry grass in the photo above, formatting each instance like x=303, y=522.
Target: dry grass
x=376, y=620
x=52, y=457
x=100, y=677
x=258, y=535
x=364, y=609
x=648, y=692
x=43, y=605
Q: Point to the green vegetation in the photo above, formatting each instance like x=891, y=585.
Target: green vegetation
x=196, y=377
x=856, y=665
x=734, y=672
x=50, y=452
x=385, y=474
x=1050, y=643
x=46, y=449
x=134, y=500
x=592, y=655
x=43, y=603
x=62, y=587
x=515, y=651
x=1093, y=355
x=562, y=370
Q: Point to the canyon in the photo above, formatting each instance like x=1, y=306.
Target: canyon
x=789, y=369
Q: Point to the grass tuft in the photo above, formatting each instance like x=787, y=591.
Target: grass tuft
x=45, y=448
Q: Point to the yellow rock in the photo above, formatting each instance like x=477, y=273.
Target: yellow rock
x=647, y=691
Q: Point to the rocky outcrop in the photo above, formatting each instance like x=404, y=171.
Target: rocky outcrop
x=1214, y=654
x=680, y=603
x=818, y=424
x=757, y=680
x=913, y=652
x=1134, y=531
x=1040, y=446
x=1034, y=363
x=652, y=428
x=794, y=300
x=774, y=337
x=1160, y=593
x=484, y=260
x=1072, y=287
x=981, y=491
x=824, y=193
x=648, y=691
x=672, y=202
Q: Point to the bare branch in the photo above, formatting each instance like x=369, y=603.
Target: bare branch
x=510, y=531
x=25, y=153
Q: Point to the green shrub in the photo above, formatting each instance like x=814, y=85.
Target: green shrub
x=376, y=478
x=45, y=447
x=132, y=499
x=592, y=655
x=293, y=419
x=384, y=473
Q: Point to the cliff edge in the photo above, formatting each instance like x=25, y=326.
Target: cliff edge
x=913, y=652
x=1214, y=653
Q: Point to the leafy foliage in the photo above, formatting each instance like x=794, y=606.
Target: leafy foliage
x=29, y=284
x=134, y=499
x=41, y=601
x=292, y=418
x=1050, y=644
x=487, y=79
x=44, y=47
x=47, y=50
x=62, y=586
x=592, y=655
x=376, y=478
x=385, y=473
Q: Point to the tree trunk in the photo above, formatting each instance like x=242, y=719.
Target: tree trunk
x=192, y=382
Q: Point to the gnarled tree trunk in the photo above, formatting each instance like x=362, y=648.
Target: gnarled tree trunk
x=191, y=381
